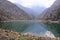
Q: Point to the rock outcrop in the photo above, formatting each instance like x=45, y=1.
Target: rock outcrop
x=11, y=35
x=9, y=11
x=53, y=12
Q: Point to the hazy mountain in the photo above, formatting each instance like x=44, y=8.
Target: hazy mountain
x=38, y=9
x=53, y=11
x=9, y=11
x=28, y=10
x=34, y=11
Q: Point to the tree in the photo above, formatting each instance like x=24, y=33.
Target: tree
x=58, y=15
x=0, y=19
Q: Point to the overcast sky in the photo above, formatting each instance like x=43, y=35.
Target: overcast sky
x=30, y=3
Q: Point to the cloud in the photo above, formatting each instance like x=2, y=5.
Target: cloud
x=13, y=1
x=30, y=3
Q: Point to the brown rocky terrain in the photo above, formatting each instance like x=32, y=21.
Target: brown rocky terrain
x=10, y=35
x=9, y=11
x=52, y=12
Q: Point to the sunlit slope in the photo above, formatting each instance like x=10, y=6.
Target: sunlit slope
x=52, y=12
x=9, y=11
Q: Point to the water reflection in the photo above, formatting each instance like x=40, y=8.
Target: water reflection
x=38, y=29
x=34, y=28
x=54, y=27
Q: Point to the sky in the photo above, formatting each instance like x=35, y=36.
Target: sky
x=30, y=3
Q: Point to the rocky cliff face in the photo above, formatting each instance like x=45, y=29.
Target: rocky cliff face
x=53, y=11
x=9, y=11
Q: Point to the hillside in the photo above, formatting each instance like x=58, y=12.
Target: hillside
x=28, y=10
x=9, y=11
x=34, y=11
x=52, y=13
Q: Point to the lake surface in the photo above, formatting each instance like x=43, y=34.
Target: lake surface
x=34, y=28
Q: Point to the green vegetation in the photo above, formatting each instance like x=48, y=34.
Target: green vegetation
x=1, y=19
x=54, y=17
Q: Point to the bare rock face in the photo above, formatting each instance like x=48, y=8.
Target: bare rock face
x=53, y=11
x=9, y=11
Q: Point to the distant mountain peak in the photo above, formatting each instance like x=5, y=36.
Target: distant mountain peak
x=34, y=11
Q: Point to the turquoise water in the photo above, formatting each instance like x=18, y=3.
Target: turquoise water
x=15, y=26
x=32, y=27
x=54, y=27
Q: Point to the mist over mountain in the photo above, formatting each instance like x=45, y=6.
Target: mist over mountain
x=28, y=10
x=38, y=9
x=34, y=10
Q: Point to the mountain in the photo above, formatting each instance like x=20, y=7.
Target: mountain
x=52, y=12
x=9, y=11
x=38, y=9
x=34, y=10
x=28, y=10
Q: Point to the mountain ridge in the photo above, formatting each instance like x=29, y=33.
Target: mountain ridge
x=52, y=12
x=8, y=9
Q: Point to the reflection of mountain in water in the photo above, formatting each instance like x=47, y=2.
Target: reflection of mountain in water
x=34, y=28
x=54, y=27
x=38, y=29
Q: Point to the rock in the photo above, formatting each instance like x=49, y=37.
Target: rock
x=52, y=12
x=23, y=37
x=9, y=11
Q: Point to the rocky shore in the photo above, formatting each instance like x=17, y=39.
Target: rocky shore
x=10, y=35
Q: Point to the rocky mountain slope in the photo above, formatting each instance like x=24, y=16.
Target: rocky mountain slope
x=9, y=11
x=28, y=10
x=34, y=11
x=53, y=12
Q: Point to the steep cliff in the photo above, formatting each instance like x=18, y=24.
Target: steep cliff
x=9, y=11
x=53, y=12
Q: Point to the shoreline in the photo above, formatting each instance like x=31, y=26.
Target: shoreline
x=43, y=21
x=17, y=35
